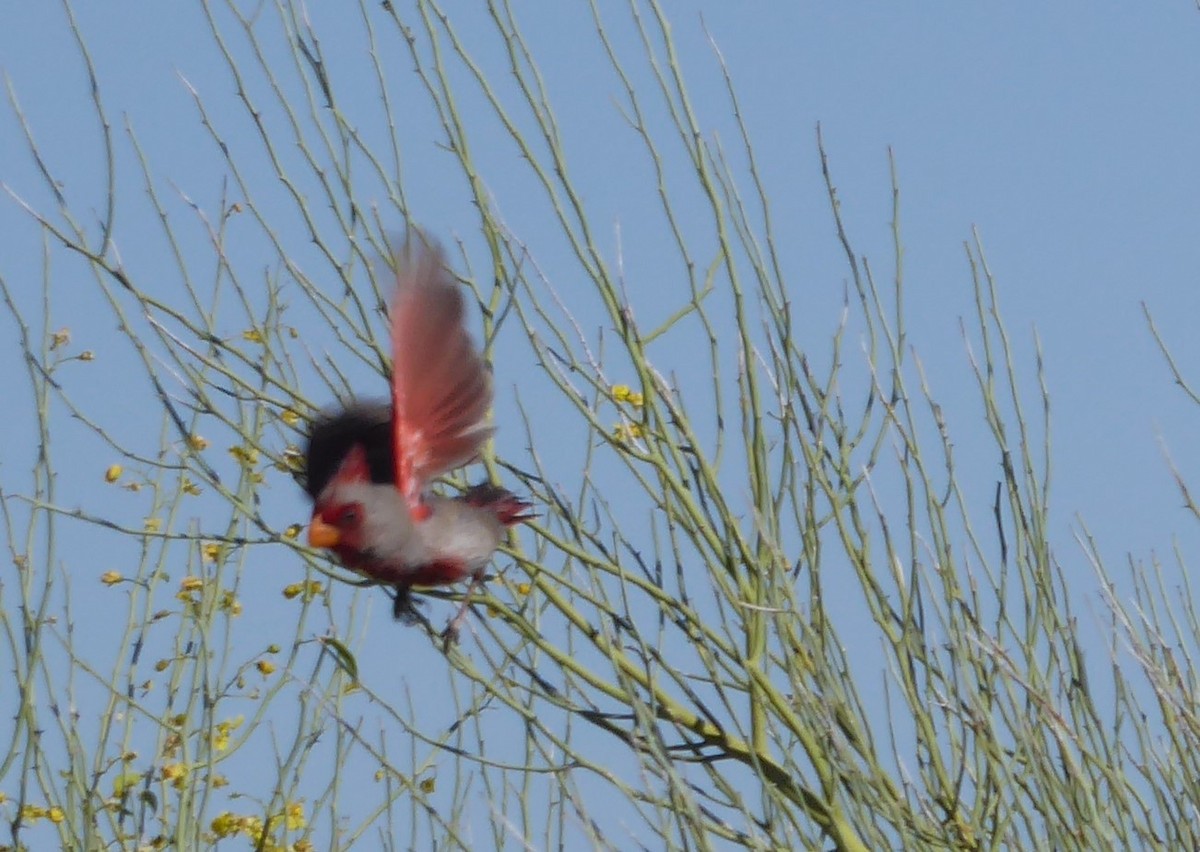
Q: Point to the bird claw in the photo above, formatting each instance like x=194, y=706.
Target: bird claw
x=450, y=636
x=454, y=627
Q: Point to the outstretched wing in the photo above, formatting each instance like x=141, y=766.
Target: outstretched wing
x=441, y=389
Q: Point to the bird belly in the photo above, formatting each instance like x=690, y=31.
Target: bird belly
x=455, y=542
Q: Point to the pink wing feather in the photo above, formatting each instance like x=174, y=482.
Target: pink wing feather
x=441, y=389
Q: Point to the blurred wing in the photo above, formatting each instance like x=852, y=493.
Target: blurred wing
x=441, y=389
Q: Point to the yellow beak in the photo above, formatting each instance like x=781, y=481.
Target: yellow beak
x=321, y=534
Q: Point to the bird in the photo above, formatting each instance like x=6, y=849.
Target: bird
x=369, y=465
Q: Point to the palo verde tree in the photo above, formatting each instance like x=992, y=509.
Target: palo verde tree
x=764, y=602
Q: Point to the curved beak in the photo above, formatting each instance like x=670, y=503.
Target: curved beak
x=322, y=534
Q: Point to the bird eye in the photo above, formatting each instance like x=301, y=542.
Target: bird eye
x=348, y=517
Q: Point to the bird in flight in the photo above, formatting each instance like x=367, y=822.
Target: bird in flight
x=369, y=466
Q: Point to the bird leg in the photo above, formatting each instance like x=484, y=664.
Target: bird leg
x=404, y=607
x=450, y=634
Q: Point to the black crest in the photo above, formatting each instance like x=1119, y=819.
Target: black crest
x=334, y=434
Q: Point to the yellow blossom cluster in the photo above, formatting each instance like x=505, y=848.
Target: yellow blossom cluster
x=310, y=590
x=628, y=431
x=190, y=587
x=32, y=813
x=229, y=603
x=260, y=832
x=248, y=456
x=291, y=460
x=176, y=774
x=198, y=443
x=625, y=432
x=220, y=737
x=623, y=393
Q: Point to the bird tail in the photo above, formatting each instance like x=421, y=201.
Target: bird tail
x=508, y=507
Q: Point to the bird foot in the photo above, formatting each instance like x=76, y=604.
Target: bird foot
x=454, y=627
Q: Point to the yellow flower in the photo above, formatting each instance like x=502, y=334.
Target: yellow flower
x=290, y=417
x=113, y=473
x=248, y=456
x=220, y=740
x=111, y=578
x=60, y=338
x=218, y=781
x=636, y=399
x=620, y=393
x=189, y=487
x=153, y=525
x=272, y=648
x=310, y=590
x=252, y=827
x=253, y=335
x=176, y=773
x=56, y=814
x=32, y=813
x=524, y=588
x=225, y=824
x=295, y=818
x=265, y=667
x=428, y=785
x=191, y=584
x=292, y=531
x=161, y=665
x=292, y=459
x=211, y=552
x=229, y=603
x=171, y=745
x=125, y=782
x=87, y=355
x=628, y=431
x=198, y=443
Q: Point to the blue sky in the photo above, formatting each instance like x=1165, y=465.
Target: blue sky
x=1064, y=135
